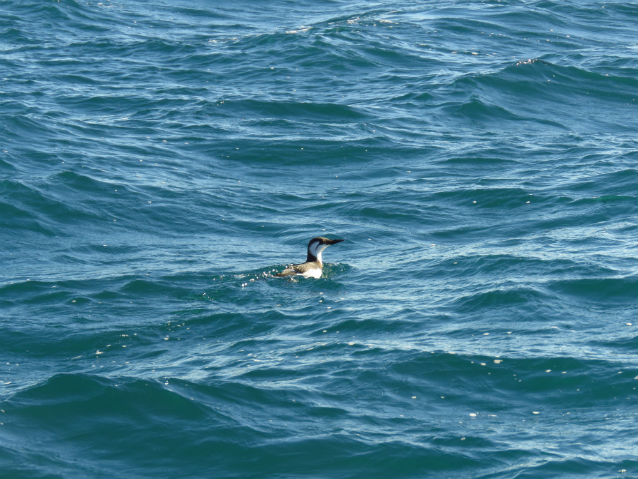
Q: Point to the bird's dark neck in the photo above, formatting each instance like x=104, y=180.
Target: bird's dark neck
x=315, y=248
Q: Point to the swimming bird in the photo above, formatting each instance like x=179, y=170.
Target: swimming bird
x=313, y=266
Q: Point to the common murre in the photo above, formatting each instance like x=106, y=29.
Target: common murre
x=313, y=266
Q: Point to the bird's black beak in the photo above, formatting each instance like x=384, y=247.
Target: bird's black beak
x=334, y=241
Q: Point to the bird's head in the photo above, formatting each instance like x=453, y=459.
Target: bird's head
x=317, y=245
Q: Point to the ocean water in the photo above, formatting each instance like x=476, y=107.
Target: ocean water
x=159, y=161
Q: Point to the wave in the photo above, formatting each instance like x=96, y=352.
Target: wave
x=598, y=290
x=43, y=211
x=296, y=110
x=543, y=80
x=245, y=413
x=500, y=298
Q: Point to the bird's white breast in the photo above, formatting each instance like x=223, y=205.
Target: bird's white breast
x=312, y=273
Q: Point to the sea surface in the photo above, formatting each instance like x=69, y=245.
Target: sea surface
x=161, y=161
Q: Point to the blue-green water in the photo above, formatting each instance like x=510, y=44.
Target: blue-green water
x=160, y=160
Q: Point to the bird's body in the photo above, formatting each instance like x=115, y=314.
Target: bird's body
x=313, y=267
x=309, y=269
